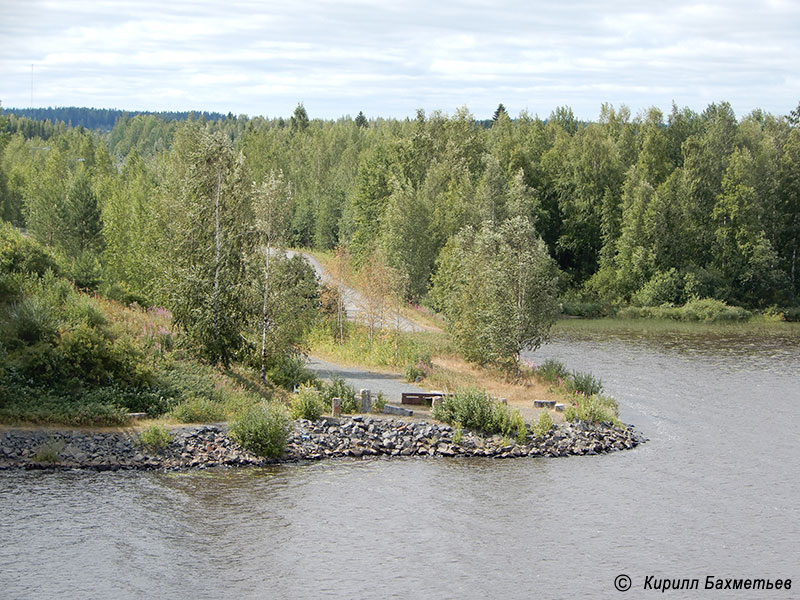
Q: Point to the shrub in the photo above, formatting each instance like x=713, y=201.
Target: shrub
x=583, y=309
x=551, y=371
x=379, y=403
x=413, y=371
x=307, y=403
x=509, y=423
x=197, y=409
x=471, y=407
x=594, y=409
x=791, y=314
x=458, y=433
x=290, y=372
x=543, y=424
x=338, y=388
x=20, y=254
x=711, y=310
x=663, y=287
x=583, y=383
x=518, y=427
x=155, y=438
x=263, y=430
x=49, y=451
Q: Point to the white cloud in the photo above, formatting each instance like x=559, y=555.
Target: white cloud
x=390, y=58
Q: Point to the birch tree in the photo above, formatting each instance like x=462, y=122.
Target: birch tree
x=497, y=288
x=272, y=200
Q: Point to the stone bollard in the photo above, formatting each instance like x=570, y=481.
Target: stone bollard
x=436, y=401
x=366, y=401
x=336, y=407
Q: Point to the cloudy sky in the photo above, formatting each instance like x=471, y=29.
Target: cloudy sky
x=389, y=58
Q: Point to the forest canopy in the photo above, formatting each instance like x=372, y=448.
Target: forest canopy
x=634, y=210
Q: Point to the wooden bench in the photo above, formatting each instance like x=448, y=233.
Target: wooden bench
x=420, y=398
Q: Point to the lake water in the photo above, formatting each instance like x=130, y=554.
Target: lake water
x=714, y=492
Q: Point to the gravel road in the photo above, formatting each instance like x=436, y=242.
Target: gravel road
x=391, y=386
x=353, y=300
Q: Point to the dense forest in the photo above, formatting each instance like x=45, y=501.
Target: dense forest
x=100, y=118
x=642, y=210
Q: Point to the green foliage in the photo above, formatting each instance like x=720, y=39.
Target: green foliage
x=379, y=403
x=413, y=371
x=338, y=388
x=289, y=305
x=458, y=433
x=205, y=205
x=497, y=289
x=387, y=348
x=663, y=287
x=48, y=452
x=197, y=409
x=20, y=254
x=543, y=424
x=471, y=407
x=263, y=430
x=583, y=309
x=583, y=383
x=290, y=371
x=552, y=371
x=594, y=409
x=518, y=427
x=155, y=438
x=307, y=403
x=707, y=310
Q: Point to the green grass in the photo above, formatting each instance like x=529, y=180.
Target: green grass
x=387, y=349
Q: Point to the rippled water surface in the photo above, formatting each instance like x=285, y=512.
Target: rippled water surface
x=715, y=492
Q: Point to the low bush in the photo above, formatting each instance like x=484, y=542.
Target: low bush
x=49, y=451
x=707, y=310
x=552, y=371
x=595, y=409
x=791, y=314
x=543, y=424
x=379, y=403
x=458, y=433
x=587, y=310
x=263, y=430
x=197, y=409
x=338, y=388
x=307, y=403
x=20, y=254
x=414, y=371
x=155, y=438
x=290, y=372
x=471, y=407
x=509, y=423
x=583, y=383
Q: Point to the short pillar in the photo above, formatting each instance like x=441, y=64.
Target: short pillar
x=366, y=401
x=336, y=407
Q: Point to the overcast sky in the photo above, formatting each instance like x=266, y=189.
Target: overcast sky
x=389, y=58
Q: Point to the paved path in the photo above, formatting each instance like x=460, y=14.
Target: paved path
x=391, y=386
x=354, y=301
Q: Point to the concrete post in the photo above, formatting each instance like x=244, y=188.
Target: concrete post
x=336, y=407
x=366, y=401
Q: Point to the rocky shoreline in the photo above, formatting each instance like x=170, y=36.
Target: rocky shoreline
x=356, y=437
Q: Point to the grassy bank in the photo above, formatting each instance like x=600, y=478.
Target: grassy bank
x=757, y=326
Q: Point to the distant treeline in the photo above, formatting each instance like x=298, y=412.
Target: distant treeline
x=102, y=118
x=651, y=209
